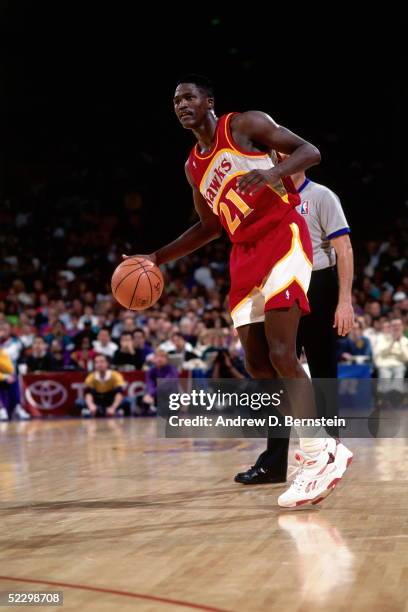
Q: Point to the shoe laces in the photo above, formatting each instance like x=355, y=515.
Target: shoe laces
x=293, y=470
x=299, y=470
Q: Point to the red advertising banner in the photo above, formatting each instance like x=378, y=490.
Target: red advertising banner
x=55, y=393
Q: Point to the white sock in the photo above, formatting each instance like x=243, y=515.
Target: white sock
x=311, y=440
x=312, y=446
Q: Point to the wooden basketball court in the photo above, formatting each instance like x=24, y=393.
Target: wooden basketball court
x=118, y=519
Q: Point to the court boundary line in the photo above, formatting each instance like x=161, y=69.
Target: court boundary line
x=146, y=597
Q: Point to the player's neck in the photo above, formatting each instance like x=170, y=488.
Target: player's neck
x=205, y=132
x=298, y=179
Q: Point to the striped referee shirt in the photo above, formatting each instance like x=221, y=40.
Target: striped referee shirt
x=325, y=219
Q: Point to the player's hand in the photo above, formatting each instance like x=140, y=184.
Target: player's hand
x=152, y=257
x=253, y=181
x=344, y=318
x=111, y=411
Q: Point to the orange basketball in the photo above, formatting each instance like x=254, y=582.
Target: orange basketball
x=137, y=283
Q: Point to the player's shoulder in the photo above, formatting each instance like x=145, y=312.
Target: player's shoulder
x=248, y=118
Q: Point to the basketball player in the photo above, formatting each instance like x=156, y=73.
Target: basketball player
x=332, y=313
x=238, y=185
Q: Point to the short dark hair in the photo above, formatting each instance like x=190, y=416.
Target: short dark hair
x=123, y=334
x=98, y=355
x=200, y=81
x=140, y=330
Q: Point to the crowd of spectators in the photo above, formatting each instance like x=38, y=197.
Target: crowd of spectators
x=57, y=311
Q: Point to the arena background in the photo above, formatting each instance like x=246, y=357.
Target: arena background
x=92, y=88
x=92, y=166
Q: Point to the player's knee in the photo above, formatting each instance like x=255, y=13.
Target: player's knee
x=257, y=369
x=283, y=360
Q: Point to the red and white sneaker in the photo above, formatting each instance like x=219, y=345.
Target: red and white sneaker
x=317, y=476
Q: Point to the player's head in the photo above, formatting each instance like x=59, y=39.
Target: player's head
x=193, y=100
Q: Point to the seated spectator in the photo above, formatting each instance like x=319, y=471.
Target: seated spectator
x=84, y=357
x=104, y=345
x=10, y=343
x=203, y=275
x=126, y=325
x=7, y=378
x=27, y=335
x=225, y=366
x=161, y=369
x=186, y=330
x=391, y=358
x=372, y=328
x=209, y=344
x=89, y=318
x=104, y=392
x=87, y=332
x=58, y=333
x=177, y=346
x=40, y=359
x=14, y=348
x=60, y=359
x=127, y=357
x=356, y=344
x=140, y=343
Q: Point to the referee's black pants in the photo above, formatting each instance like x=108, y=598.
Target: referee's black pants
x=318, y=338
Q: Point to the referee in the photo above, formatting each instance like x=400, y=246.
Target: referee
x=331, y=307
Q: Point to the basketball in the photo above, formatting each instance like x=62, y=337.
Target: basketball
x=137, y=283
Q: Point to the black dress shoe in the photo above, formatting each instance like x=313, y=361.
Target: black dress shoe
x=258, y=475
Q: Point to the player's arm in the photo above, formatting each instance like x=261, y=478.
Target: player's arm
x=344, y=315
x=206, y=229
x=261, y=129
x=118, y=397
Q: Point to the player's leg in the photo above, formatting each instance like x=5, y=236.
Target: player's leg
x=322, y=356
x=322, y=460
x=271, y=465
x=281, y=326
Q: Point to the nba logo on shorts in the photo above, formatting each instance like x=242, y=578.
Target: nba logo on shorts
x=304, y=208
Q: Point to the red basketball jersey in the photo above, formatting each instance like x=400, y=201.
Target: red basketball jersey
x=215, y=173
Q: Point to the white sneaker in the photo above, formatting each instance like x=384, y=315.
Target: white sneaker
x=293, y=470
x=317, y=476
x=3, y=414
x=21, y=414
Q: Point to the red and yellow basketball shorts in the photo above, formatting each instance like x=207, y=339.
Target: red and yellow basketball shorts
x=273, y=272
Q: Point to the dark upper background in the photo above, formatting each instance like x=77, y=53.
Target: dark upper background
x=89, y=94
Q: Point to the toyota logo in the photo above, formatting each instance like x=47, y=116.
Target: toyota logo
x=46, y=394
